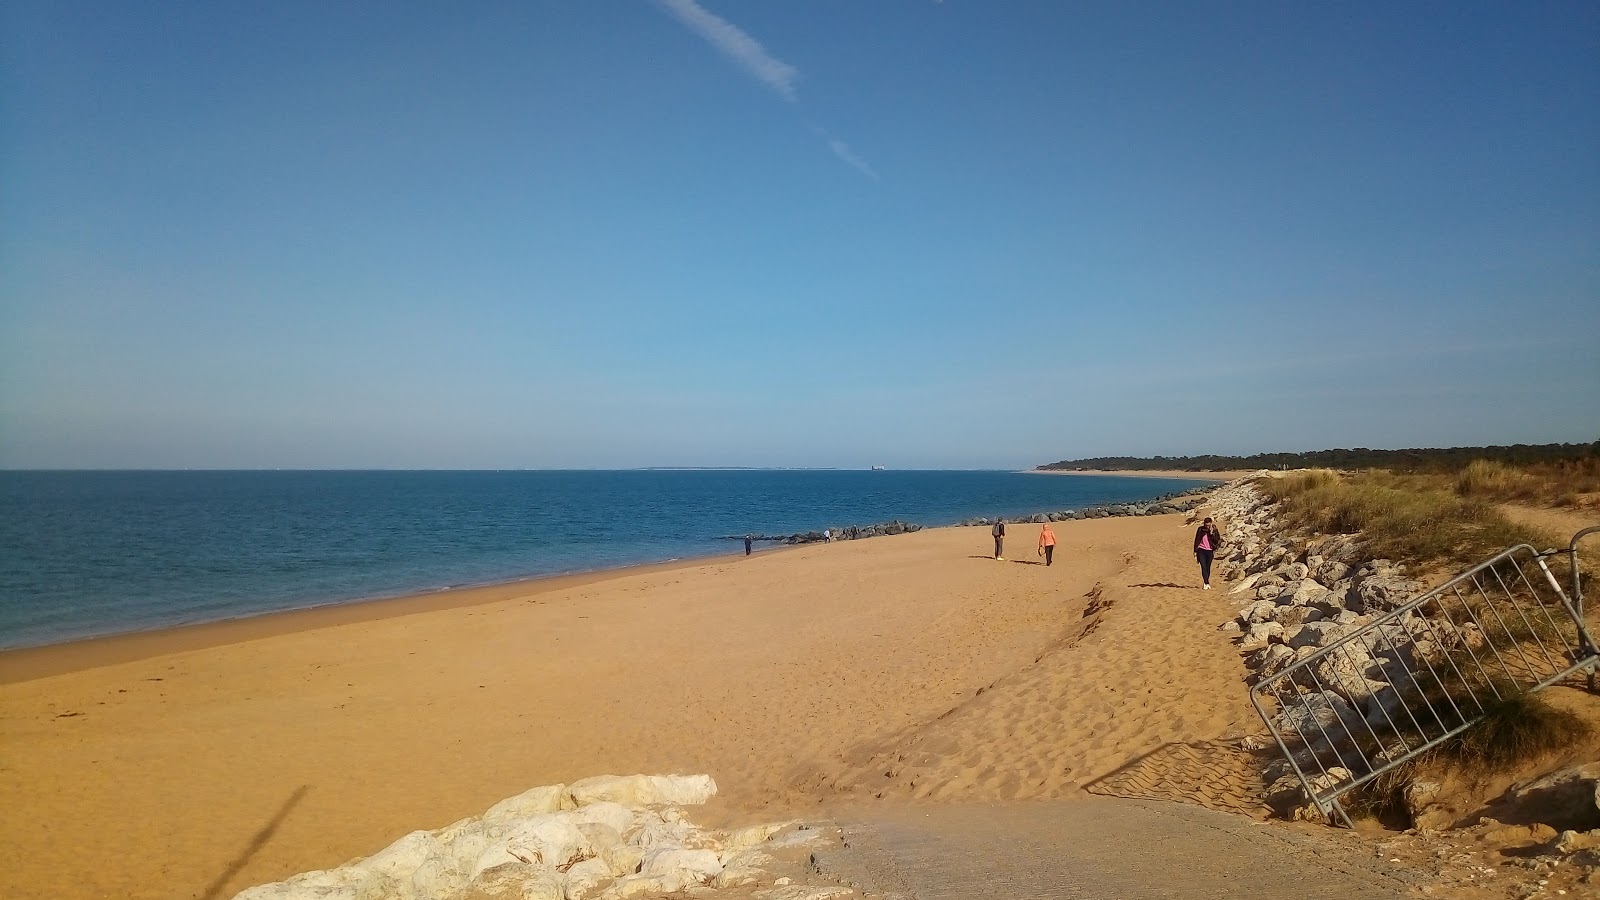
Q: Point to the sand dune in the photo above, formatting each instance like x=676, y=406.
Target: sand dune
x=798, y=678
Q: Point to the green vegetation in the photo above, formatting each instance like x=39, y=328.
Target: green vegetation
x=1416, y=518
x=1449, y=459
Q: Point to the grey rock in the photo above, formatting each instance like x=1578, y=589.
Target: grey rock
x=1382, y=593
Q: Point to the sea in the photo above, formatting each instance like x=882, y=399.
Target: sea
x=85, y=554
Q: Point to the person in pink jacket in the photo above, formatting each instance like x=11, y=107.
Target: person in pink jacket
x=1206, y=541
x=1047, y=543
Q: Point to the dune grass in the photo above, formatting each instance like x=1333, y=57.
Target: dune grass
x=1517, y=730
x=1420, y=519
x=1570, y=483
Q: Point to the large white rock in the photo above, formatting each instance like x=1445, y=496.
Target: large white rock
x=695, y=865
x=586, y=878
x=744, y=867
x=533, y=802
x=574, y=842
x=643, y=790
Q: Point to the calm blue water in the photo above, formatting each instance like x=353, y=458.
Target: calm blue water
x=89, y=553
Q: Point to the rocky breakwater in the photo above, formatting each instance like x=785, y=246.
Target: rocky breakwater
x=603, y=838
x=847, y=533
x=1297, y=594
x=1180, y=501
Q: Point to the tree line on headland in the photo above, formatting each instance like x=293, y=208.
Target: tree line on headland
x=1447, y=459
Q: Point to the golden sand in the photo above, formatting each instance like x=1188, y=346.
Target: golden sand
x=198, y=762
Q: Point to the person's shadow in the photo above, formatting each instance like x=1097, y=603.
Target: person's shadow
x=1160, y=584
x=1023, y=562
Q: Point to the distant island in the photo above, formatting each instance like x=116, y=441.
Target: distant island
x=1412, y=460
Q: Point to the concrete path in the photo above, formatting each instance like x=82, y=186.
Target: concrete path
x=1100, y=849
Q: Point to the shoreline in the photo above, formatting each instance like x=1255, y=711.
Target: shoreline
x=20, y=664
x=1218, y=477
x=73, y=654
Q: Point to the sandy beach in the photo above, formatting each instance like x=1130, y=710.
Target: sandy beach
x=198, y=762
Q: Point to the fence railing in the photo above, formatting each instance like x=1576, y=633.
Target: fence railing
x=1414, y=677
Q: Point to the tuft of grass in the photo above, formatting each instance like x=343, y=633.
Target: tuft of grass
x=1517, y=730
x=1487, y=478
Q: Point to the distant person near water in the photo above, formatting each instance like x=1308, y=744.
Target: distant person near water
x=748, y=540
x=827, y=535
x=1047, y=543
x=999, y=532
x=1206, y=541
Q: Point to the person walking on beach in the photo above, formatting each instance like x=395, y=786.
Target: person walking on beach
x=748, y=540
x=827, y=535
x=999, y=532
x=1047, y=543
x=1206, y=541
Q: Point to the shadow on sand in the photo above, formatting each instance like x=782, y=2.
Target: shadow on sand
x=1020, y=562
x=1216, y=774
x=214, y=890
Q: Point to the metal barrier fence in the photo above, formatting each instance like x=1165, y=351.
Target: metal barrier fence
x=1350, y=711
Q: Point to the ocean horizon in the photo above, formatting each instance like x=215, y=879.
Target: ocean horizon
x=90, y=553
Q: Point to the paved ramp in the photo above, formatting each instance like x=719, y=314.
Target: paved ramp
x=1101, y=849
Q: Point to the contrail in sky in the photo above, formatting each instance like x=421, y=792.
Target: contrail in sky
x=842, y=150
x=736, y=45
x=749, y=55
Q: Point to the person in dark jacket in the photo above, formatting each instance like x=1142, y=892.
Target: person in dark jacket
x=1206, y=541
x=999, y=532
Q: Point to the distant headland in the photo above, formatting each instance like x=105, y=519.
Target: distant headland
x=1449, y=458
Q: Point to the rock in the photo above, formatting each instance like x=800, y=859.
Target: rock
x=644, y=790
x=586, y=878
x=555, y=843
x=1230, y=627
x=1421, y=803
x=1259, y=611
x=1307, y=590
x=1260, y=634
x=1572, y=841
x=694, y=865
x=746, y=867
x=1382, y=593
x=1320, y=634
x=535, y=802
x=1295, y=615
x=1275, y=658
x=1331, y=572
x=1567, y=799
x=1246, y=584
x=1312, y=714
x=518, y=880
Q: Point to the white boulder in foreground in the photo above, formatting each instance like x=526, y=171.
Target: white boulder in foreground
x=603, y=838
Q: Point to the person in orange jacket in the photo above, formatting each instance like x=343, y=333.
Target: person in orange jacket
x=1047, y=543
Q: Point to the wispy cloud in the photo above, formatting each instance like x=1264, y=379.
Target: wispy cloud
x=842, y=150
x=747, y=52
x=735, y=44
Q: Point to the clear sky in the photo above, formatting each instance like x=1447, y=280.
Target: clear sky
x=705, y=232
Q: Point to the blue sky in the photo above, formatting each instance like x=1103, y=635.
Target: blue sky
x=918, y=234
